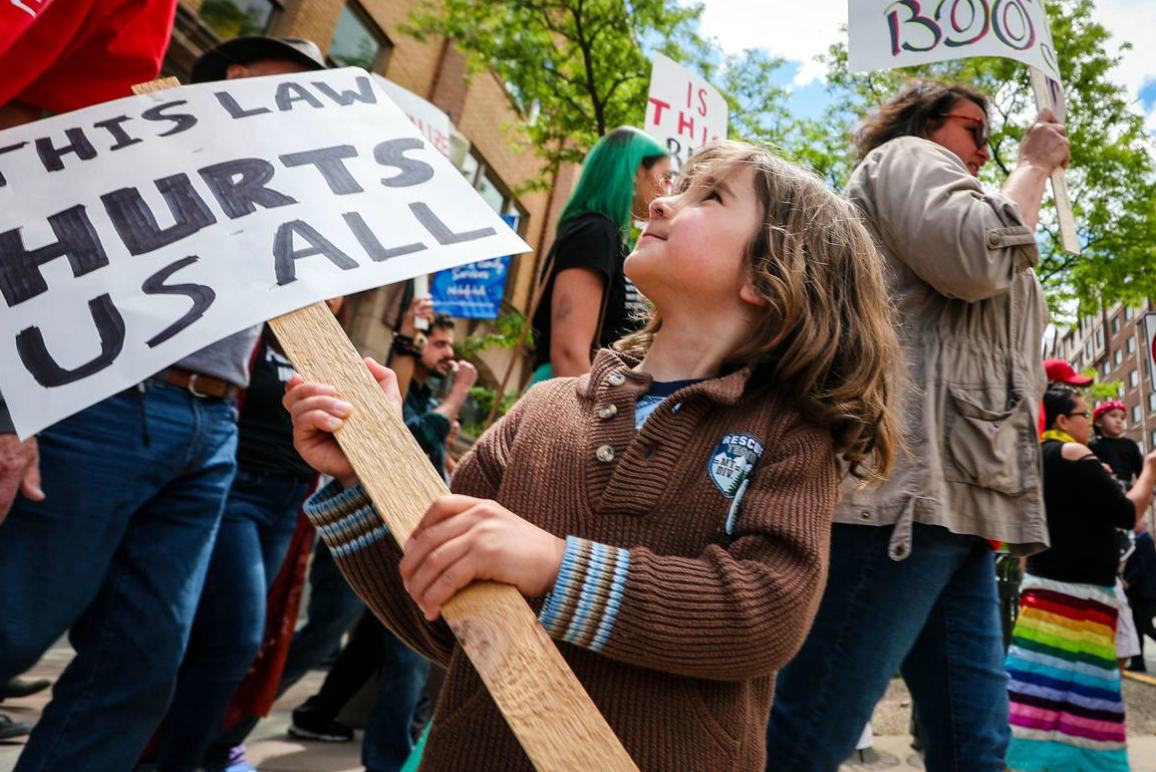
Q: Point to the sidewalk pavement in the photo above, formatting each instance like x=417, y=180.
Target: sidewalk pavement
x=272, y=750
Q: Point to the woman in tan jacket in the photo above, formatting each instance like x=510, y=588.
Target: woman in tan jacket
x=912, y=582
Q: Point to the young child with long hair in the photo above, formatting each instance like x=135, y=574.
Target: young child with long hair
x=667, y=514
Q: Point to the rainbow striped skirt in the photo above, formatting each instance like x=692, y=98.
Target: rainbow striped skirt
x=1064, y=687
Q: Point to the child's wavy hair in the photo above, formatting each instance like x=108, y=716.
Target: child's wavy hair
x=828, y=332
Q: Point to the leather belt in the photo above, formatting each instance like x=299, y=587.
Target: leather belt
x=198, y=385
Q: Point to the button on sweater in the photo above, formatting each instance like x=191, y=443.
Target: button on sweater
x=696, y=555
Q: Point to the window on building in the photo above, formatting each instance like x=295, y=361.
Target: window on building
x=1119, y=356
x=1115, y=324
x=1137, y=415
x=1087, y=349
x=1131, y=345
x=491, y=188
x=1152, y=402
x=1107, y=368
x=1134, y=378
x=1129, y=314
x=237, y=18
x=1120, y=390
x=358, y=41
x=1099, y=337
x=1153, y=442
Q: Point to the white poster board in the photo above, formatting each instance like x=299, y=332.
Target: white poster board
x=884, y=34
x=433, y=123
x=683, y=111
x=136, y=232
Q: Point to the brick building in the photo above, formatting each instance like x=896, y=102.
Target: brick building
x=1114, y=343
x=366, y=33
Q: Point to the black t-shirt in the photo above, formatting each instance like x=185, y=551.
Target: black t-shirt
x=1085, y=506
x=265, y=441
x=1122, y=454
x=590, y=240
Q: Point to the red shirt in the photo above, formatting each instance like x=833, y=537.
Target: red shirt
x=61, y=55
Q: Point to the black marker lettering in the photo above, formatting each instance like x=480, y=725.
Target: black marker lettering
x=239, y=186
x=377, y=253
x=285, y=256
x=113, y=127
x=235, y=110
x=201, y=295
x=392, y=153
x=137, y=226
x=181, y=121
x=288, y=93
x=34, y=353
x=76, y=239
x=440, y=231
x=364, y=92
x=328, y=162
x=52, y=156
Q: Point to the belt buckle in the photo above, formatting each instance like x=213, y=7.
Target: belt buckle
x=192, y=387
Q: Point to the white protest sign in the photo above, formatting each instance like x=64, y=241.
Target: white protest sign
x=136, y=232
x=684, y=112
x=431, y=121
x=887, y=33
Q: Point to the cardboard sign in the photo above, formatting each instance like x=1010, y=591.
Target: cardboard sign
x=136, y=232
x=899, y=33
x=431, y=121
x=684, y=112
x=473, y=291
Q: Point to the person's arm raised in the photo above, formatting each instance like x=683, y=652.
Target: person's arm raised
x=1044, y=147
x=575, y=306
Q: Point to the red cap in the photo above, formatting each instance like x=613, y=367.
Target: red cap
x=1059, y=371
x=1107, y=407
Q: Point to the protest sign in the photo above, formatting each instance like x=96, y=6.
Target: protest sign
x=684, y=112
x=884, y=34
x=430, y=120
x=473, y=291
x=136, y=232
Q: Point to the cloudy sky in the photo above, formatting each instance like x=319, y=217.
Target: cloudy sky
x=799, y=31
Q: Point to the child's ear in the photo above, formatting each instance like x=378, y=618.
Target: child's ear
x=750, y=294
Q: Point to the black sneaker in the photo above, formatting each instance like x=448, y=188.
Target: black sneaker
x=23, y=687
x=307, y=725
x=9, y=728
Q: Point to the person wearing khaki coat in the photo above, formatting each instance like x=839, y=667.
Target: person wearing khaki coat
x=912, y=581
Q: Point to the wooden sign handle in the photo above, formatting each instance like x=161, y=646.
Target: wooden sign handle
x=1069, y=239
x=550, y=713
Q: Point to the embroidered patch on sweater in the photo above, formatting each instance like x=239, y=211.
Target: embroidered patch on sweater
x=732, y=462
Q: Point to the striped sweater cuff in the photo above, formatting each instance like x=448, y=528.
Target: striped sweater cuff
x=345, y=518
x=583, y=605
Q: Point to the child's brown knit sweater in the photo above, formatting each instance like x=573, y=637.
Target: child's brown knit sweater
x=696, y=557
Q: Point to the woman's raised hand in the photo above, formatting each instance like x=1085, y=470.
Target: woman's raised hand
x=318, y=412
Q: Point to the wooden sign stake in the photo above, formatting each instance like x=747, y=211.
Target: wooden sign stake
x=1069, y=239
x=554, y=719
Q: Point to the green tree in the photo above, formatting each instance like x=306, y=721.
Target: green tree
x=1112, y=177
x=575, y=68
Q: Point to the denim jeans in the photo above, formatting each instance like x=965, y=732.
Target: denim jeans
x=933, y=617
x=257, y=526
x=388, y=743
x=333, y=608
x=116, y=554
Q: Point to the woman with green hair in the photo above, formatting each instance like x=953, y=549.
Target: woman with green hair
x=587, y=301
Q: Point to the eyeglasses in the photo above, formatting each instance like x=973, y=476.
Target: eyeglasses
x=1085, y=414
x=980, y=133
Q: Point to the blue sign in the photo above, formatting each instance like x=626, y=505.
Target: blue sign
x=473, y=291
